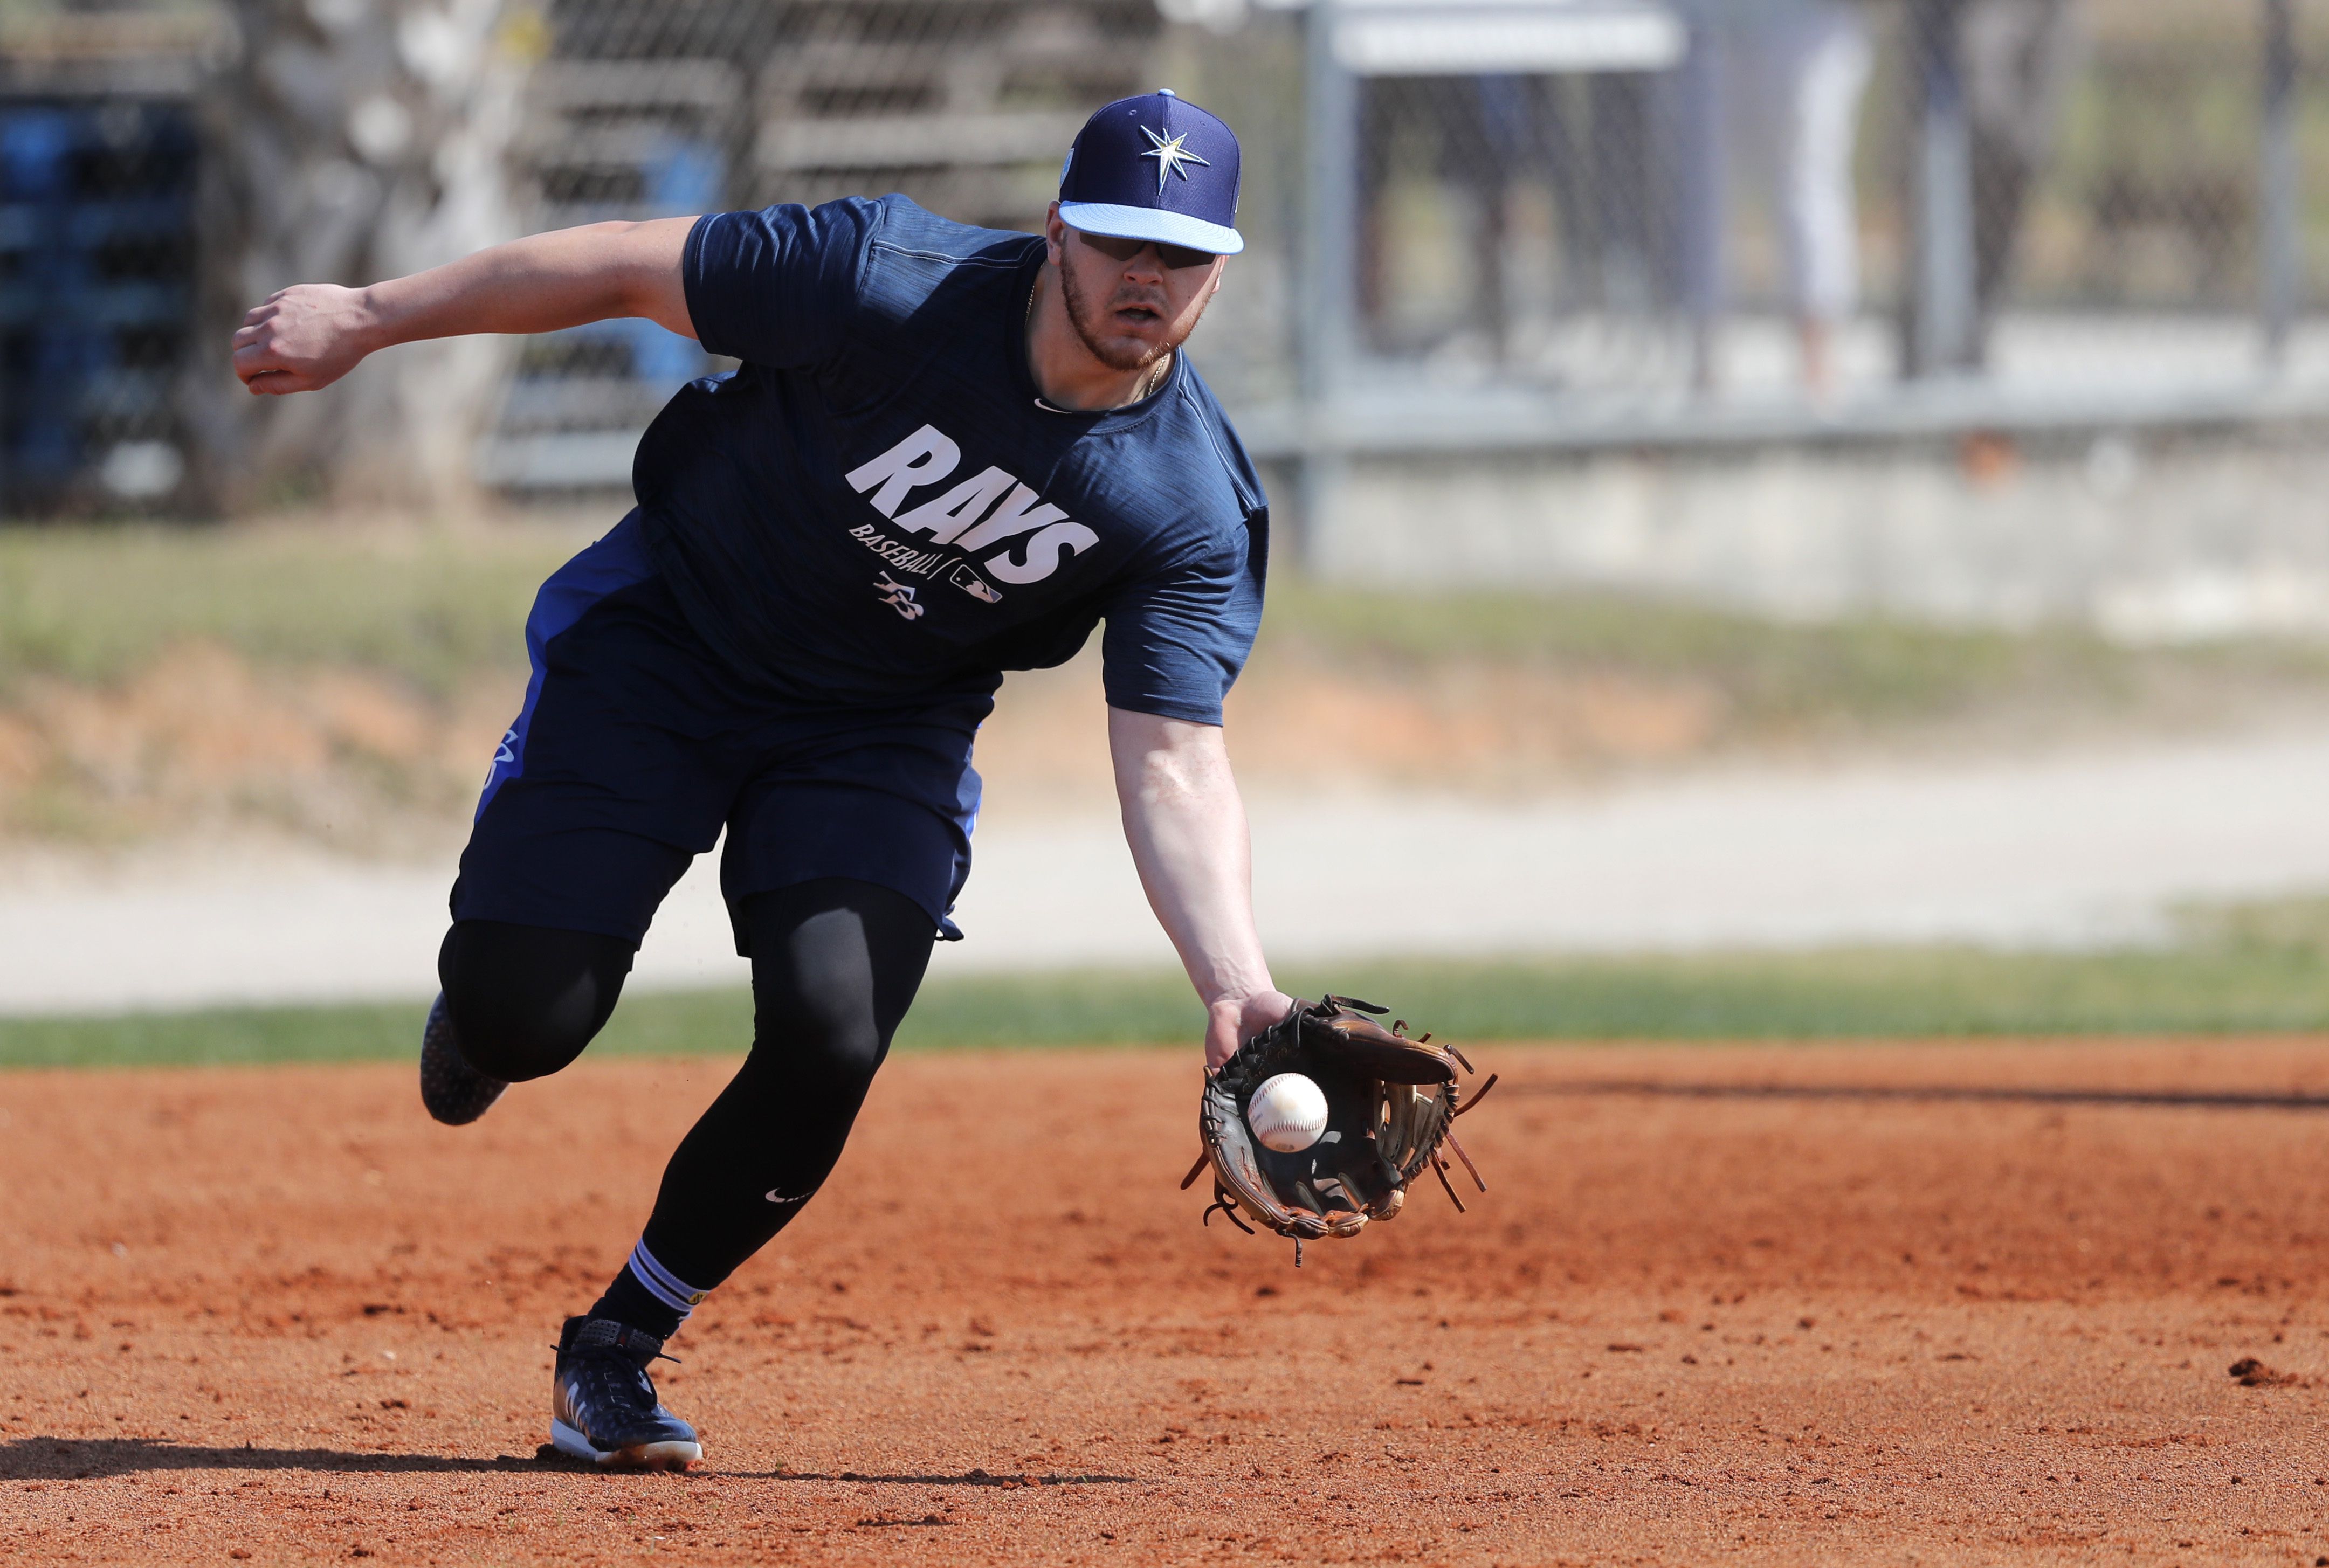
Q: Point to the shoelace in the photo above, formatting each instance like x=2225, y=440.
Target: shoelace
x=611, y=1384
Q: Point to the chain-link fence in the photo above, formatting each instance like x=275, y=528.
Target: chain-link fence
x=1714, y=218
x=649, y=109
x=1514, y=222
x=99, y=157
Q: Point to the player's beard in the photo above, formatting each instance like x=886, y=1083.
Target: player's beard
x=1090, y=326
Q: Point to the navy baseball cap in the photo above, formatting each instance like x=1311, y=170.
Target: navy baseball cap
x=1153, y=167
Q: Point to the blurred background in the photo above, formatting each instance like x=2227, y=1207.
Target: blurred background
x=1806, y=516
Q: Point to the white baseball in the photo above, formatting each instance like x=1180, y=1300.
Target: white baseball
x=1287, y=1113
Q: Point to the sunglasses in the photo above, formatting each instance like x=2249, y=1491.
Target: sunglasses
x=1118, y=249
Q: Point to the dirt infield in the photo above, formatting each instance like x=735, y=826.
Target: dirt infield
x=277, y=1315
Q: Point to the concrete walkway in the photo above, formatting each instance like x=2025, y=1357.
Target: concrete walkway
x=2072, y=851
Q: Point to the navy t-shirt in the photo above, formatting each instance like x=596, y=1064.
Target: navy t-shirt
x=878, y=506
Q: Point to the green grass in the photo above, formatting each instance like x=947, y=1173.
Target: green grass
x=647, y=1023
x=96, y=605
x=1772, y=674
x=2259, y=968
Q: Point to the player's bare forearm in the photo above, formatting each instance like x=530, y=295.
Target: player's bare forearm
x=1186, y=827
x=311, y=334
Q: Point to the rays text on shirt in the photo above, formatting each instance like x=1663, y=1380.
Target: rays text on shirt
x=961, y=517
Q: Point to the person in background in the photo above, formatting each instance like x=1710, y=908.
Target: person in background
x=2017, y=57
x=2020, y=55
x=1590, y=139
x=1773, y=90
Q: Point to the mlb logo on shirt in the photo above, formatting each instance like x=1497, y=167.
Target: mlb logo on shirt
x=971, y=583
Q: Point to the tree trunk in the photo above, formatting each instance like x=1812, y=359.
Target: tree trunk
x=352, y=141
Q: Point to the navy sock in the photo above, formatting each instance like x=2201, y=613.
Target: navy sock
x=656, y=1308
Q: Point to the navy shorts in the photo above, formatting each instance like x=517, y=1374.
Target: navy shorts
x=637, y=746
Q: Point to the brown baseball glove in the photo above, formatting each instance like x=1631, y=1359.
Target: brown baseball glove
x=1391, y=1102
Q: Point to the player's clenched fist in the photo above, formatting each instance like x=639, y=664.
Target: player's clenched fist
x=304, y=337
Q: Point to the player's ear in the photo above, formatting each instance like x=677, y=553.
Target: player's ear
x=1055, y=234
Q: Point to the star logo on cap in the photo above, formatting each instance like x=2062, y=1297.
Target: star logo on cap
x=1171, y=158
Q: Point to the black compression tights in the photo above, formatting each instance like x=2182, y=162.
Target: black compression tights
x=834, y=965
x=524, y=1000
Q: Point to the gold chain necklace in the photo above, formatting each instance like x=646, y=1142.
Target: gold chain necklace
x=1155, y=377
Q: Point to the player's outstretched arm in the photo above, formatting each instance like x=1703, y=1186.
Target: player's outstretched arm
x=311, y=334
x=1186, y=826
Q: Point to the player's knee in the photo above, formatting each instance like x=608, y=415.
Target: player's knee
x=834, y=964
x=853, y=1055
x=828, y=1034
x=525, y=1001
x=509, y=1044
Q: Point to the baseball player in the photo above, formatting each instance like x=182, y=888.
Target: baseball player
x=949, y=452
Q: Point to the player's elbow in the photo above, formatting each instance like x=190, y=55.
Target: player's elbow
x=1160, y=784
x=1177, y=780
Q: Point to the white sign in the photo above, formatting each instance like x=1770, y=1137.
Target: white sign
x=1491, y=37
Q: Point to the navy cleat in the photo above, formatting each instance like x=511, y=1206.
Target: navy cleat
x=603, y=1407
x=455, y=1093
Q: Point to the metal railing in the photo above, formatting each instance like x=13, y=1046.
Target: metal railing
x=1785, y=218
